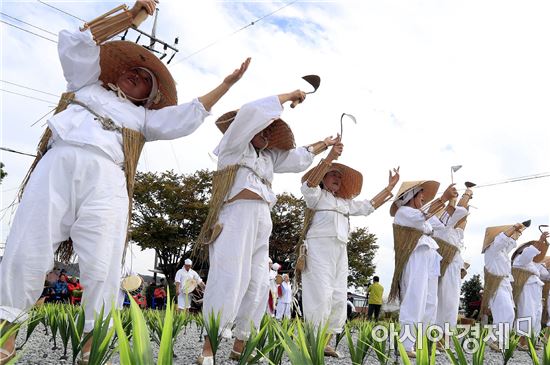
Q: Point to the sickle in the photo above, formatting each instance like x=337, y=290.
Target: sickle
x=314, y=81
x=342, y=122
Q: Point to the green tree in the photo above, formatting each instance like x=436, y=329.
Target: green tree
x=3, y=172
x=361, y=251
x=470, y=291
x=287, y=216
x=169, y=210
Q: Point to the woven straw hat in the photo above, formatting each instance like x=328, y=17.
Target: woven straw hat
x=118, y=56
x=352, y=180
x=428, y=186
x=546, y=261
x=520, y=249
x=281, y=137
x=492, y=232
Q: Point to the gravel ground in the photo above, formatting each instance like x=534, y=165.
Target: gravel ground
x=38, y=351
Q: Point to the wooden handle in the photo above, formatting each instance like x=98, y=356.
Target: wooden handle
x=140, y=18
x=294, y=103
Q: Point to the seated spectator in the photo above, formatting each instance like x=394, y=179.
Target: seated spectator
x=159, y=296
x=75, y=290
x=61, y=289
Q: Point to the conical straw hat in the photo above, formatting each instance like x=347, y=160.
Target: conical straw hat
x=520, y=249
x=281, y=137
x=491, y=233
x=352, y=180
x=115, y=57
x=546, y=261
x=428, y=186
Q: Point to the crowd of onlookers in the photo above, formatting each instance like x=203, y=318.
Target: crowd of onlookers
x=60, y=287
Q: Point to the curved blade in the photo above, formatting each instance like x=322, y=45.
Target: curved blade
x=342, y=122
x=542, y=226
x=469, y=184
x=314, y=81
x=526, y=223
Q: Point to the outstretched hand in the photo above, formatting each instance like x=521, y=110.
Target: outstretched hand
x=236, y=75
x=393, y=179
x=449, y=193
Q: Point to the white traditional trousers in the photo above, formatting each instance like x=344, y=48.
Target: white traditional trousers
x=448, y=295
x=77, y=192
x=283, y=310
x=502, y=308
x=238, y=275
x=324, y=283
x=418, y=293
x=530, y=307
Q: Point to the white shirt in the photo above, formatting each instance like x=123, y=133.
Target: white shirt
x=79, y=56
x=287, y=292
x=454, y=236
x=497, y=261
x=525, y=261
x=235, y=148
x=334, y=222
x=415, y=218
x=183, y=275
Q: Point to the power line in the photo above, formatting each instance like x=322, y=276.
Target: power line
x=28, y=96
x=237, y=31
x=28, y=31
x=29, y=24
x=14, y=151
x=51, y=6
x=29, y=88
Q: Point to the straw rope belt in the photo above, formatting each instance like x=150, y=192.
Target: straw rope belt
x=405, y=240
x=447, y=252
x=520, y=278
x=490, y=286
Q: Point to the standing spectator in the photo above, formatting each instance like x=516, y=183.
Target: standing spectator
x=185, y=278
x=61, y=289
x=375, y=299
x=285, y=298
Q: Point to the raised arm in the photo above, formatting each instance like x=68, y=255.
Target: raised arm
x=211, y=98
x=79, y=51
x=299, y=159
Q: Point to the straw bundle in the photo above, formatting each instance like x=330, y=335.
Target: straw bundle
x=222, y=181
x=109, y=25
x=301, y=252
x=520, y=278
x=545, y=292
x=492, y=282
x=404, y=243
x=447, y=252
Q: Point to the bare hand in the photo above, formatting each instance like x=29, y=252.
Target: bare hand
x=336, y=151
x=393, y=179
x=148, y=5
x=329, y=141
x=236, y=75
x=295, y=96
x=544, y=237
x=449, y=193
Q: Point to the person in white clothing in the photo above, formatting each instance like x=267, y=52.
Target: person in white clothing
x=497, y=292
x=527, y=288
x=255, y=145
x=449, y=287
x=284, y=302
x=329, y=190
x=78, y=189
x=417, y=266
x=186, y=280
x=272, y=298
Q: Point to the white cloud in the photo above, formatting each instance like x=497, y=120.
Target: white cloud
x=419, y=77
